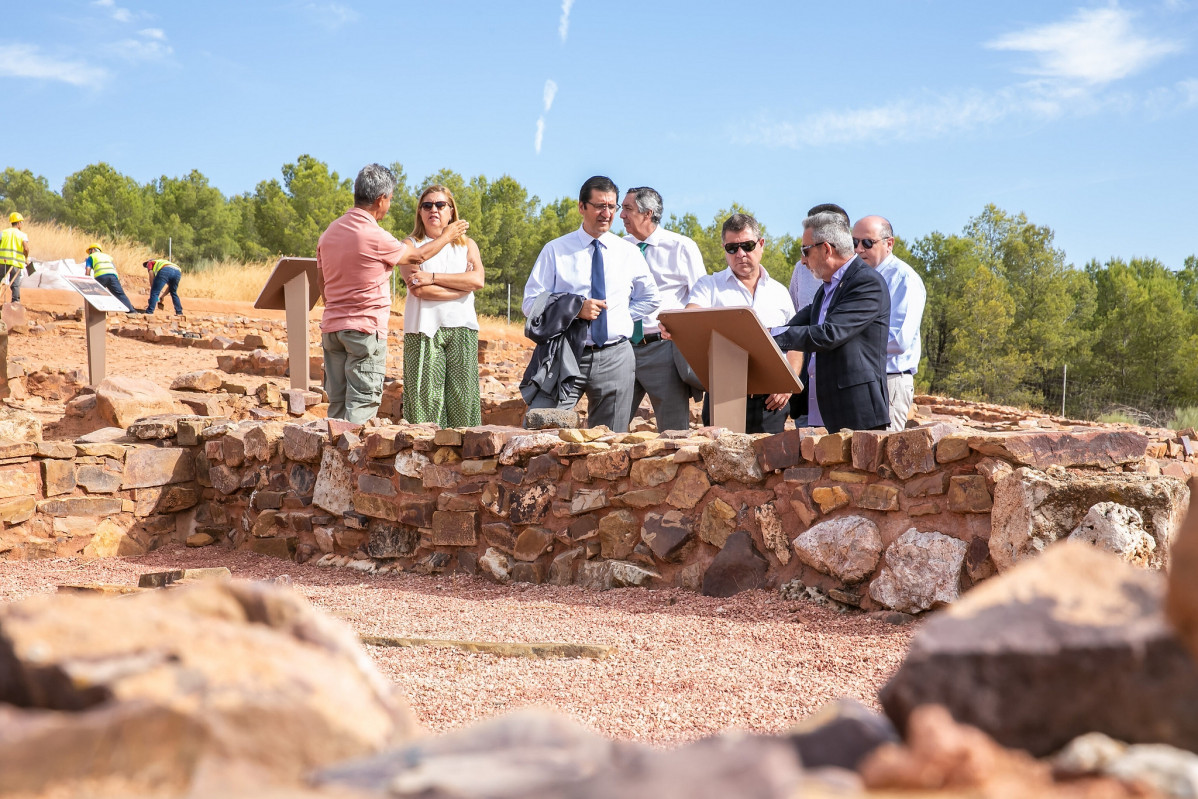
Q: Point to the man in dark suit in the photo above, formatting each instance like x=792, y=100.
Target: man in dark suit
x=844, y=331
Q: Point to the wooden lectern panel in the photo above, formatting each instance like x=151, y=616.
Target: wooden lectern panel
x=272, y=296
x=692, y=329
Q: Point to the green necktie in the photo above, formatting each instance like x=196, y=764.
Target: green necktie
x=638, y=327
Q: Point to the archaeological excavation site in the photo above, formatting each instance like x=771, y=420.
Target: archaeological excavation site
x=211, y=589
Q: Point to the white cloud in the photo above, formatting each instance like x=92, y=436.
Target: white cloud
x=116, y=12
x=550, y=93
x=563, y=25
x=1077, y=60
x=26, y=61
x=1095, y=46
x=540, y=134
x=333, y=14
x=154, y=33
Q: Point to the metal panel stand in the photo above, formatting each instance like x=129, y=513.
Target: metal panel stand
x=95, y=325
x=728, y=366
x=295, y=299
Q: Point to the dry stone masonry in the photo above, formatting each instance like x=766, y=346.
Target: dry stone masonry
x=905, y=521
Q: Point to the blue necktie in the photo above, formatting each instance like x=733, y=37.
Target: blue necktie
x=598, y=292
x=638, y=327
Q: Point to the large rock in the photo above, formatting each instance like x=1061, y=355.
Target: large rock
x=731, y=458
x=738, y=567
x=919, y=571
x=1071, y=642
x=157, y=466
x=848, y=548
x=1099, y=448
x=121, y=401
x=1183, y=588
x=334, y=489
x=1033, y=509
x=1117, y=529
x=535, y=754
x=16, y=425
x=159, y=687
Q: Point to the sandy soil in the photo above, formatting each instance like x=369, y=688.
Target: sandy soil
x=686, y=665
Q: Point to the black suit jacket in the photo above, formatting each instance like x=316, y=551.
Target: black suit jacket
x=850, y=347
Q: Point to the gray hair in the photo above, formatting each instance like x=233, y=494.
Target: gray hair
x=738, y=222
x=833, y=229
x=648, y=201
x=374, y=181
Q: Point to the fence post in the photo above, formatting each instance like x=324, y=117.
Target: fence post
x=509, y=303
x=1064, y=383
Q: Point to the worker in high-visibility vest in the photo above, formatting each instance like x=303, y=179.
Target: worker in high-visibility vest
x=14, y=253
x=100, y=266
x=163, y=275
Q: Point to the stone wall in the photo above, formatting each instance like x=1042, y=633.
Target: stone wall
x=902, y=520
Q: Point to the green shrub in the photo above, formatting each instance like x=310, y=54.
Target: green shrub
x=1116, y=417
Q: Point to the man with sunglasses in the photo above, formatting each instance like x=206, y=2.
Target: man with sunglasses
x=611, y=278
x=844, y=331
x=873, y=241
x=746, y=284
x=354, y=259
x=675, y=263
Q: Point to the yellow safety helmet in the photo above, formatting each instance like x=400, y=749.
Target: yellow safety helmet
x=14, y=218
x=95, y=245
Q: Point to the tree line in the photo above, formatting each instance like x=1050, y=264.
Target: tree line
x=1007, y=315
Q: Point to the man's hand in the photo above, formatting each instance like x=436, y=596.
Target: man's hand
x=665, y=334
x=776, y=401
x=591, y=308
x=455, y=229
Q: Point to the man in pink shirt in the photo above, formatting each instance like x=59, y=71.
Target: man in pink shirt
x=354, y=260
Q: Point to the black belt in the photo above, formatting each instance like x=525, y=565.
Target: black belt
x=896, y=374
x=648, y=339
x=592, y=347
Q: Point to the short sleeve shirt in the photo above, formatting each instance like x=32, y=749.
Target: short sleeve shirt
x=355, y=257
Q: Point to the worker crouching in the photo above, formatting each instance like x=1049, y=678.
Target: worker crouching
x=163, y=275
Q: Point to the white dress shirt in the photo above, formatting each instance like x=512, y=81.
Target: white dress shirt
x=803, y=286
x=907, y=299
x=675, y=263
x=565, y=265
x=771, y=301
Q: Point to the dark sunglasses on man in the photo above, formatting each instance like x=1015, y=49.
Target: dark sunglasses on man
x=746, y=246
x=866, y=244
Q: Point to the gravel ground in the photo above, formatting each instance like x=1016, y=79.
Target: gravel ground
x=686, y=665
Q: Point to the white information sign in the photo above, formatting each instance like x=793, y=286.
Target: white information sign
x=96, y=295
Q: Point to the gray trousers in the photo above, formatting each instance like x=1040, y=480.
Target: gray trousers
x=354, y=365
x=657, y=375
x=609, y=375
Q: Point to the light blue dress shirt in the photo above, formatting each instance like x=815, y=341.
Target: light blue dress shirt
x=907, y=299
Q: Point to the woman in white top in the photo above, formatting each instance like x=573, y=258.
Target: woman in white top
x=440, y=342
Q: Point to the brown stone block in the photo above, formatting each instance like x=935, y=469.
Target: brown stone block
x=415, y=512
x=879, y=497
x=869, y=449
x=459, y=502
x=782, y=450
x=967, y=493
x=499, y=535
x=924, y=509
x=846, y=476
x=930, y=485
x=689, y=488
x=834, y=448
x=649, y=472
x=951, y=448
x=17, y=482
x=376, y=507
x=448, y=438
x=532, y=543
x=829, y=498
x=477, y=467
x=383, y=443
x=155, y=466
x=642, y=498
x=803, y=474
x=717, y=522
x=446, y=455
x=619, y=533
x=81, y=506
x=1100, y=448
x=435, y=476
x=454, y=529
x=609, y=465
x=58, y=476
x=488, y=440
x=17, y=509
x=913, y=451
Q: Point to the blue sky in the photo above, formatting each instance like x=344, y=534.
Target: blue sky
x=1082, y=115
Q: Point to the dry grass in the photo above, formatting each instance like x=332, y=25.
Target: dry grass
x=224, y=280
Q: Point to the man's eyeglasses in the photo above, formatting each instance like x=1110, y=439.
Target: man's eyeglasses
x=867, y=244
x=601, y=206
x=744, y=246
x=428, y=206
x=809, y=247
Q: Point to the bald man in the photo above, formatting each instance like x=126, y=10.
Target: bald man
x=873, y=241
